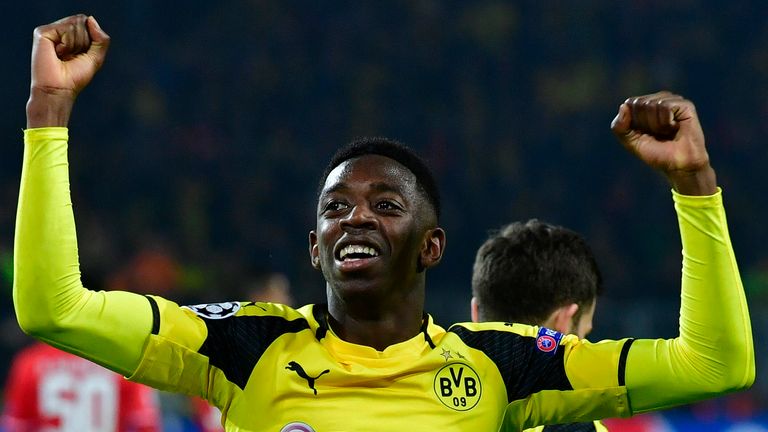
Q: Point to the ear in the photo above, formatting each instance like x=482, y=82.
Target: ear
x=474, y=311
x=432, y=250
x=562, y=318
x=314, y=250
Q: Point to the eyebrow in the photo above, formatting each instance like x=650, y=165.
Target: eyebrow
x=378, y=187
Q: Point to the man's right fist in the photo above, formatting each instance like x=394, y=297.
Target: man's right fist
x=66, y=54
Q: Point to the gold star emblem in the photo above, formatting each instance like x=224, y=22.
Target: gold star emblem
x=460, y=356
x=446, y=354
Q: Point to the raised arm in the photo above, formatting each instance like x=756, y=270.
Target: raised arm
x=50, y=300
x=714, y=353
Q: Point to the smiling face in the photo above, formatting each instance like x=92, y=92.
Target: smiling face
x=375, y=232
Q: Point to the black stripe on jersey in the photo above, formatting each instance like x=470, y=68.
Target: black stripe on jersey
x=623, y=361
x=571, y=427
x=320, y=314
x=524, y=368
x=235, y=344
x=155, y=315
x=424, y=329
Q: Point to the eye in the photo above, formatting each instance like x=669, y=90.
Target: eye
x=388, y=205
x=334, y=206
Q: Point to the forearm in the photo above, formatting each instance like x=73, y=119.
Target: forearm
x=714, y=352
x=50, y=300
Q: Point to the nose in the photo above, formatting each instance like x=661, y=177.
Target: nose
x=361, y=217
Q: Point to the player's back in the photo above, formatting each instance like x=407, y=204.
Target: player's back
x=51, y=390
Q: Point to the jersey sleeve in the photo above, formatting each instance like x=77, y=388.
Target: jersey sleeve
x=109, y=328
x=171, y=360
x=551, y=378
x=210, y=350
x=714, y=353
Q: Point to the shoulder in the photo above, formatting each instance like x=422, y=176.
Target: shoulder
x=503, y=327
x=495, y=335
x=265, y=320
x=215, y=311
x=200, y=319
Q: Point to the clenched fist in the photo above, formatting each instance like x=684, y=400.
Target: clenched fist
x=663, y=130
x=65, y=56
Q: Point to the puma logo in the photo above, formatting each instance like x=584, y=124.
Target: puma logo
x=300, y=372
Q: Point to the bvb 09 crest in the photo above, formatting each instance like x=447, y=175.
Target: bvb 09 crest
x=458, y=386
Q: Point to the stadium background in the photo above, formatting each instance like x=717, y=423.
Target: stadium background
x=196, y=150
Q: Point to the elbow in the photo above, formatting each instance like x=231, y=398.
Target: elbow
x=735, y=380
x=745, y=376
x=737, y=373
x=741, y=365
x=37, y=325
x=749, y=378
x=717, y=367
x=36, y=317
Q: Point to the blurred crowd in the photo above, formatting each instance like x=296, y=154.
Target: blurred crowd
x=196, y=152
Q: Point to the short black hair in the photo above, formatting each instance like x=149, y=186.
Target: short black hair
x=525, y=271
x=395, y=150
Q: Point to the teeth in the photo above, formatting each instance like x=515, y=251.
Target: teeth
x=358, y=249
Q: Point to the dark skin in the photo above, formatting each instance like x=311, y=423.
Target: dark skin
x=374, y=201
x=66, y=55
x=663, y=130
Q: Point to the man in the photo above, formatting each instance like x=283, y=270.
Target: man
x=51, y=390
x=371, y=359
x=539, y=274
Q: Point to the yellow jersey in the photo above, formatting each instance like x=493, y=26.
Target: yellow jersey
x=272, y=368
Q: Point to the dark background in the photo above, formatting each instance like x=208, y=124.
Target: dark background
x=196, y=150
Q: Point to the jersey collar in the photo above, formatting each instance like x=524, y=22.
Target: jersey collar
x=417, y=345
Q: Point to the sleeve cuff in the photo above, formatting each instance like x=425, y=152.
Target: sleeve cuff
x=703, y=201
x=46, y=133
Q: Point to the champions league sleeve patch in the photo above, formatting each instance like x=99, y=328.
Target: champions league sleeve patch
x=548, y=340
x=215, y=310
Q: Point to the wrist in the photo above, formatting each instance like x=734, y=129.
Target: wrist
x=49, y=109
x=696, y=183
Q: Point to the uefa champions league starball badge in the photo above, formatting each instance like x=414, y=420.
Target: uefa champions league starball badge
x=215, y=310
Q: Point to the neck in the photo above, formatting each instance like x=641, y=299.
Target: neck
x=375, y=322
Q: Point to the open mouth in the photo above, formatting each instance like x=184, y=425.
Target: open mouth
x=355, y=252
